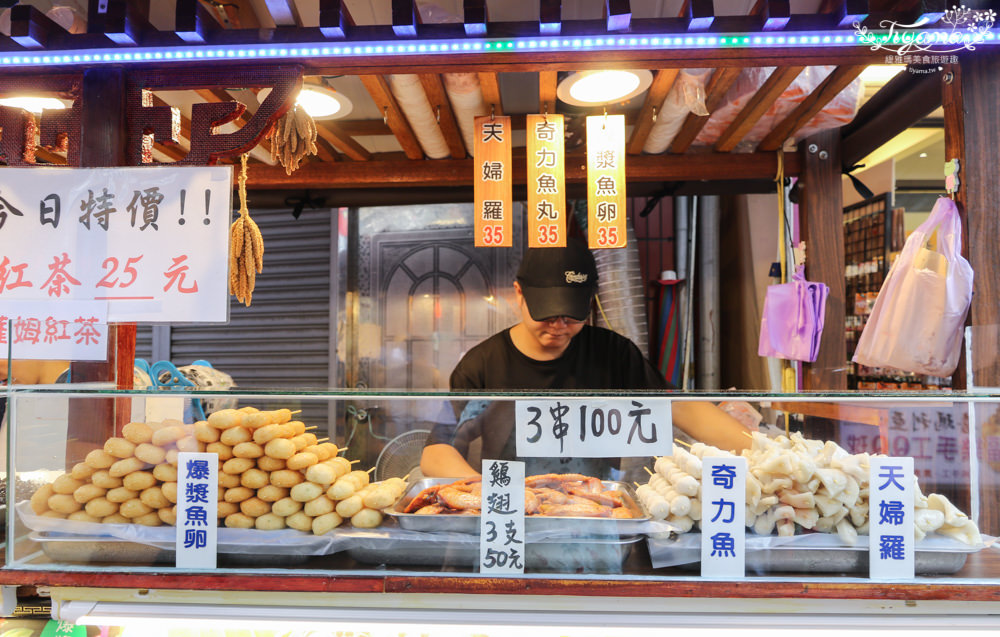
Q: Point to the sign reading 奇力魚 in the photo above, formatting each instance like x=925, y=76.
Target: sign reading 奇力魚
x=723, y=517
x=546, y=198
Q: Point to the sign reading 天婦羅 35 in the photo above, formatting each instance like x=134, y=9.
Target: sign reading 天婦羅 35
x=151, y=242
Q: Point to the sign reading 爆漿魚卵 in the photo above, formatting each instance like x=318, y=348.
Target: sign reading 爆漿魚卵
x=606, y=181
x=197, y=507
x=151, y=242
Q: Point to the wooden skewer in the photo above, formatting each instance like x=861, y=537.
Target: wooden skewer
x=681, y=442
x=648, y=471
x=354, y=461
x=297, y=411
x=325, y=440
x=406, y=477
x=312, y=427
x=747, y=434
x=370, y=470
x=637, y=485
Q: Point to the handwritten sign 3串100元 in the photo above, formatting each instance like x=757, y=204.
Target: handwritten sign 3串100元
x=594, y=428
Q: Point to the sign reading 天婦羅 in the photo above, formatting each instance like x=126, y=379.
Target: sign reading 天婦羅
x=546, y=181
x=891, y=549
x=151, y=242
x=606, y=181
x=492, y=182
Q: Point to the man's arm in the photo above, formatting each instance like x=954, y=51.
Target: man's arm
x=709, y=424
x=444, y=461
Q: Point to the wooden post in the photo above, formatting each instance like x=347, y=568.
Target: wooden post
x=821, y=210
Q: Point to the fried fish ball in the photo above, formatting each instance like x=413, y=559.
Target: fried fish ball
x=190, y=444
x=257, y=420
x=101, y=507
x=139, y=480
x=302, y=460
x=154, y=498
x=87, y=492
x=247, y=449
x=124, y=467
x=299, y=521
x=54, y=514
x=82, y=471
x=309, y=438
x=235, y=436
x=348, y=507
x=66, y=484
x=343, y=488
x=225, y=452
x=306, y=491
x=298, y=428
x=238, y=494
x=319, y=451
x=269, y=522
x=165, y=436
x=255, y=507
x=99, y=459
x=286, y=507
x=119, y=447
x=102, y=478
x=165, y=472
x=341, y=464
x=268, y=433
x=63, y=503
x=367, y=518
x=248, y=410
x=229, y=480
x=226, y=419
x=137, y=432
x=281, y=416
x=83, y=516
x=227, y=508
x=169, y=491
x=172, y=457
x=169, y=422
x=266, y=463
x=319, y=506
x=120, y=495
x=168, y=516
x=286, y=478
x=40, y=499
x=332, y=448
x=205, y=432
x=380, y=497
x=280, y=448
x=238, y=521
x=254, y=478
x=321, y=474
x=237, y=466
x=361, y=478
x=150, y=454
x=326, y=523
x=115, y=518
x=300, y=442
x=271, y=493
x=149, y=519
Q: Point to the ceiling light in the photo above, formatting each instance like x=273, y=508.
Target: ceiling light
x=881, y=73
x=593, y=88
x=323, y=103
x=922, y=155
x=33, y=104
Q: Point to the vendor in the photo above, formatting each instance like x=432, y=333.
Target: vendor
x=552, y=349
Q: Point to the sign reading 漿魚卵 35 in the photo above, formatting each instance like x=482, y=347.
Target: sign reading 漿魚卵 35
x=152, y=242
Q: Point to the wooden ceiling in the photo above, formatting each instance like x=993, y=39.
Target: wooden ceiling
x=376, y=147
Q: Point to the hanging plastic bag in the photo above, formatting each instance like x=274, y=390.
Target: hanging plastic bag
x=916, y=324
x=792, y=321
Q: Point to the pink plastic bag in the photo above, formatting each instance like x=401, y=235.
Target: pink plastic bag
x=916, y=324
x=792, y=321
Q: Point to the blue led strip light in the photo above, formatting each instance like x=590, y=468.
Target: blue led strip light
x=188, y=53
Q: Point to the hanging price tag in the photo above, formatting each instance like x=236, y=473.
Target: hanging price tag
x=493, y=190
x=546, y=181
x=606, y=181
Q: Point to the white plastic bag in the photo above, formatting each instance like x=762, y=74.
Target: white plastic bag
x=916, y=324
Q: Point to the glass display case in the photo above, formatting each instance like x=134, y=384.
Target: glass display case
x=94, y=473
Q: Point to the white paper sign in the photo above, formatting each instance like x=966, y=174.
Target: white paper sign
x=723, y=517
x=152, y=242
x=69, y=330
x=890, y=515
x=594, y=428
x=501, y=532
x=197, y=508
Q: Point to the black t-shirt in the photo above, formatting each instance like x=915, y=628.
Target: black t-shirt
x=596, y=359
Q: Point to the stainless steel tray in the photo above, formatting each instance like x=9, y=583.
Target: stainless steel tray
x=570, y=555
x=562, y=526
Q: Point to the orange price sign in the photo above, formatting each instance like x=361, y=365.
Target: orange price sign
x=546, y=181
x=606, y=181
x=493, y=191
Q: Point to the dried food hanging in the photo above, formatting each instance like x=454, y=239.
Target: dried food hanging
x=246, y=246
x=292, y=137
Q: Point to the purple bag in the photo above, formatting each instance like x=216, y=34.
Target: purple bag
x=792, y=321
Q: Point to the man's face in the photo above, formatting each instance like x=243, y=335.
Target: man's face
x=552, y=335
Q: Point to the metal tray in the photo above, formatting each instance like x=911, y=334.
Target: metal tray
x=570, y=555
x=87, y=549
x=562, y=526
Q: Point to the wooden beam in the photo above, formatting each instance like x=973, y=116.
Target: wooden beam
x=122, y=22
x=763, y=99
x=378, y=88
x=954, y=148
x=387, y=170
x=49, y=156
x=438, y=98
x=284, y=12
x=775, y=14
x=337, y=137
x=829, y=89
x=715, y=92
x=31, y=28
x=221, y=95
x=490, y=86
x=475, y=17
x=618, y=14
x=547, y=85
x=549, y=17
x=404, y=18
x=846, y=12
x=822, y=215
x=932, y=11
x=658, y=90
x=334, y=19
x=700, y=14
x=193, y=22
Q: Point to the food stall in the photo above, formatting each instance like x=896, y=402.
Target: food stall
x=307, y=538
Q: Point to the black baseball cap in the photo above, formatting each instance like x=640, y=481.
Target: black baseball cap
x=558, y=281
